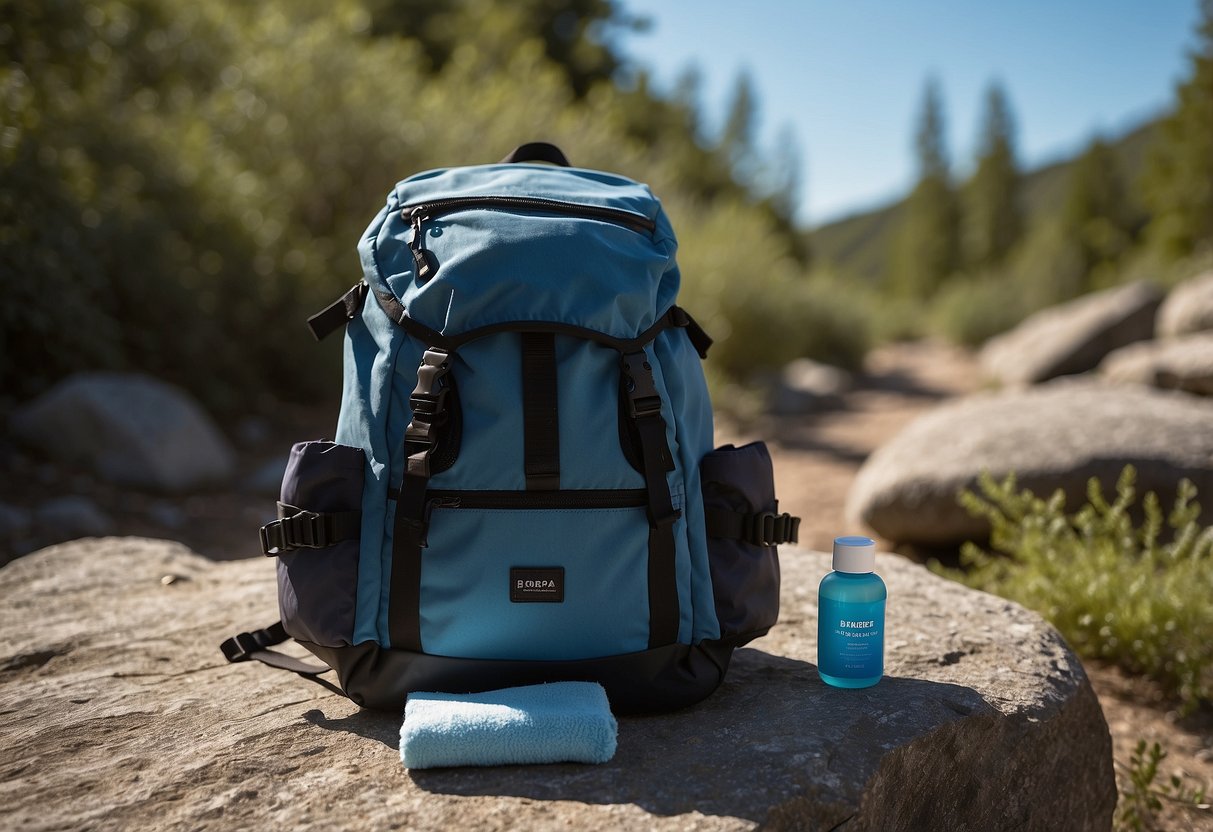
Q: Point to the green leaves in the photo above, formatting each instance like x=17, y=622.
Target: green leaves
x=1141, y=796
x=1120, y=581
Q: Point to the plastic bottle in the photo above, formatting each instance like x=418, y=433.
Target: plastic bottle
x=850, y=617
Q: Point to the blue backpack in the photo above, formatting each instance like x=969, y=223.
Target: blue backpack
x=522, y=487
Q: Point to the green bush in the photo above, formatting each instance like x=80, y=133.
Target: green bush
x=1141, y=794
x=755, y=301
x=971, y=311
x=1120, y=592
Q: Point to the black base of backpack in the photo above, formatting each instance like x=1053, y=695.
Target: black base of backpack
x=661, y=679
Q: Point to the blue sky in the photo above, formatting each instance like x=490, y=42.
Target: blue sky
x=848, y=76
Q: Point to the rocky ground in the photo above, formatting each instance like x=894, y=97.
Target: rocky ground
x=816, y=455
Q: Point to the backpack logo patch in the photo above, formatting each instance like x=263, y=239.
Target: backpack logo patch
x=537, y=584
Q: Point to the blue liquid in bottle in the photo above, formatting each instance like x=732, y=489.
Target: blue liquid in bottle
x=850, y=617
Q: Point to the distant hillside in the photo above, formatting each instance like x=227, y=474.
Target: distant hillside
x=859, y=245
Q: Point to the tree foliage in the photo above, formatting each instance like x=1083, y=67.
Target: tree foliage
x=993, y=214
x=1179, y=180
x=927, y=250
x=1096, y=216
x=181, y=183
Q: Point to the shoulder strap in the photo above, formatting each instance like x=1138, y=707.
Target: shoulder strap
x=644, y=407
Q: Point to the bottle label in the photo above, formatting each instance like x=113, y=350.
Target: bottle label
x=850, y=638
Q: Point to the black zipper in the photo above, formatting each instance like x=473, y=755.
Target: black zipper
x=418, y=213
x=622, y=498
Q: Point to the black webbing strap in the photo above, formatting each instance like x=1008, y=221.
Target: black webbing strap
x=334, y=316
x=428, y=402
x=255, y=646
x=540, y=416
x=675, y=316
x=644, y=406
x=700, y=340
x=298, y=528
x=762, y=529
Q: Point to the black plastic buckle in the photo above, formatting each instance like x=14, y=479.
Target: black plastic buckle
x=432, y=405
x=309, y=530
x=304, y=529
x=770, y=529
x=428, y=399
x=435, y=363
x=643, y=397
x=240, y=648
x=273, y=540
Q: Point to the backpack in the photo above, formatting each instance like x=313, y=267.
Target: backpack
x=522, y=486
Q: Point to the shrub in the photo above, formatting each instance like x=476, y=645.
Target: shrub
x=1141, y=795
x=1114, y=588
x=756, y=302
x=970, y=311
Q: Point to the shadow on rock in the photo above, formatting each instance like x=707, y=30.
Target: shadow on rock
x=380, y=726
x=772, y=731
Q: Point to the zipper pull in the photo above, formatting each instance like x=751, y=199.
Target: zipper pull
x=422, y=259
x=430, y=504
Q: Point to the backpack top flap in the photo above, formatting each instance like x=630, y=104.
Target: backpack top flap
x=463, y=248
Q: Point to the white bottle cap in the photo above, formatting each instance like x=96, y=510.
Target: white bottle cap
x=854, y=554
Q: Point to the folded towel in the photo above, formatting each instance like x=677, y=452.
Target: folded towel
x=552, y=723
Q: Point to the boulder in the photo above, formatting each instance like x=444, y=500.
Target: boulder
x=805, y=385
x=1188, y=308
x=128, y=717
x=1056, y=435
x=1181, y=363
x=132, y=430
x=1072, y=337
x=64, y=518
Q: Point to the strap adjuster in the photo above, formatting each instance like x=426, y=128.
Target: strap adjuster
x=303, y=529
x=643, y=396
x=770, y=529
x=240, y=647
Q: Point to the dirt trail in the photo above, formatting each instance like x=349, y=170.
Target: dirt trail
x=817, y=456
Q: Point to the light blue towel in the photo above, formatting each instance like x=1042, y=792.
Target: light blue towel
x=553, y=723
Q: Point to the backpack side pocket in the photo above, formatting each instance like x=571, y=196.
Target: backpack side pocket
x=738, y=495
x=317, y=541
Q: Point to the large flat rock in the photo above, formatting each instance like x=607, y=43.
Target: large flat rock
x=1072, y=337
x=121, y=714
x=1054, y=436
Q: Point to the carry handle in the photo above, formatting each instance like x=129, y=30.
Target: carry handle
x=538, y=152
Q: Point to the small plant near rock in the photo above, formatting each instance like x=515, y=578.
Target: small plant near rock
x=1141, y=796
x=1119, y=591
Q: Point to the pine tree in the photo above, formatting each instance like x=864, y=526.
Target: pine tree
x=926, y=252
x=784, y=176
x=1179, y=180
x=1095, y=216
x=993, y=220
x=738, y=137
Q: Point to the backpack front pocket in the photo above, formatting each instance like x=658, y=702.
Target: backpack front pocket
x=316, y=541
x=535, y=575
x=743, y=529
